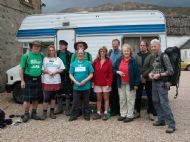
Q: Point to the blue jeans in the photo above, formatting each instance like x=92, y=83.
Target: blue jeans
x=161, y=103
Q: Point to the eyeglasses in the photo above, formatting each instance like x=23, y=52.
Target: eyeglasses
x=142, y=45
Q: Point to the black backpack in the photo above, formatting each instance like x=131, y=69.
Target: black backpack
x=175, y=59
x=2, y=119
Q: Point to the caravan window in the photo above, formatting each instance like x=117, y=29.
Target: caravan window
x=134, y=41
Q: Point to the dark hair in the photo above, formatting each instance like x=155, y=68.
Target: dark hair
x=116, y=40
x=144, y=42
x=63, y=42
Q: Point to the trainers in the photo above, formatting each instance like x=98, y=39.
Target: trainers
x=105, y=117
x=96, y=116
x=126, y=120
x=72, y=118
x=121, y=118
x=26, y=117
x=170, y=130
x=35, y=116
x=158, y=123
x=137, y=115
x=67, y=112
x=151, y=117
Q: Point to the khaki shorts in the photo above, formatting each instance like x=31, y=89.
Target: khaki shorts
x=100, y=89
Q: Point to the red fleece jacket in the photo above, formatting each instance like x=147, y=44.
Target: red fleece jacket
x=103, y=76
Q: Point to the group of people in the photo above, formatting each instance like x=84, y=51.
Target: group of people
x=118, y=78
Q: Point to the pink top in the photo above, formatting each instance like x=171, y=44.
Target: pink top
x=124, y=68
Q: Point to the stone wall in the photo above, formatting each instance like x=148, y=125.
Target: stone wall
x=12, y=12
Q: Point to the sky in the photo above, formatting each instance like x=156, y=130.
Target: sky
x=53, y=6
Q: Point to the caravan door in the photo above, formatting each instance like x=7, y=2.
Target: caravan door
x=69, y=36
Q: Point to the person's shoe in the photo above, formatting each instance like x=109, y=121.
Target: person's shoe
x=121, y=118
x=72, y=118
x=96, y=116
x=52, y=115
x=67, y=113
x=126, y=120
x=151, y=117
x=44, y=116
x=158, y=123
x=170, y=130
x=25, y=117
x=87, y=118
x=105, y=117
x=35, y=116
x=137, y=115
x=59, y=109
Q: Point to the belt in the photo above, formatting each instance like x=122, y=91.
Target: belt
x=33, y=78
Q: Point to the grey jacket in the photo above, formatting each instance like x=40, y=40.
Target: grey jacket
x=146, y=68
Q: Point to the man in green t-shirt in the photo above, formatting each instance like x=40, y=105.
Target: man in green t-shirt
x=30, y=75
x=81, y=45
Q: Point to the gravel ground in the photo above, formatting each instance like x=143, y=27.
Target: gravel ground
x=140, y=130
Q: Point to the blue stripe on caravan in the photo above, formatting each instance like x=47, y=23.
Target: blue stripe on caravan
x=121, y=29
x=36, y=32
x=96, y=30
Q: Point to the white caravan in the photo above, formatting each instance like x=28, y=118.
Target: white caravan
x=95, y=28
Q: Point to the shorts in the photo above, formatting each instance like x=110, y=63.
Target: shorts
x=49, y=95
x=100, y=89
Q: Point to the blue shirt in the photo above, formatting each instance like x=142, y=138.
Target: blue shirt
x=114, y=56
x=80, y=71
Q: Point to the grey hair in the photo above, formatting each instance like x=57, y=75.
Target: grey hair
x=155, y=41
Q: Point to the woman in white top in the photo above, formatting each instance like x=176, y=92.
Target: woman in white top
x=51, y=80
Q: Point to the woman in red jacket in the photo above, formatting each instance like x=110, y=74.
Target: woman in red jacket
x=102, y=81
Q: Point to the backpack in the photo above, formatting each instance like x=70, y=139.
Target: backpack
x=2, y=119
x=175, y=60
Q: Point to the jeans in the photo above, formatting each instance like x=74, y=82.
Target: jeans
x=161, y=103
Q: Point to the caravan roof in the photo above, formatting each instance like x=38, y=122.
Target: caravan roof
x=135, y=21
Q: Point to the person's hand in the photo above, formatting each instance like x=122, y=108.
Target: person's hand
x=83, y=82
x=151, y=75
x=77, y=83
x=135, y=87
x=108, y=87
x=120, y=73
x=92, y=85
x=22, y=84
x=50, y=73
x=156, y=76
x=142, y=79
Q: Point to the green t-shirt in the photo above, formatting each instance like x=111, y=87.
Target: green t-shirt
x=32, y=64
x=80, y=71
x=75, y=58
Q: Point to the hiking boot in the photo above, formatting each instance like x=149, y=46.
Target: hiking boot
x=26, y=117
x=170, y=130
x=96, y=116
x=137, y=115
x=87, y=118
x=105, y=117
x=121, y=118
x=52, y=115
x=151, y=117
x=44, y=116
x=59, y=109
x=67, y=112
x=158, y=123
x=126, y=120
x=35, y=116
x=72, y=118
